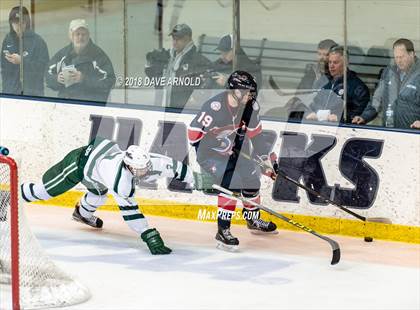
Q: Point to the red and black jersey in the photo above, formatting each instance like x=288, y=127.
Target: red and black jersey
x=220, y=128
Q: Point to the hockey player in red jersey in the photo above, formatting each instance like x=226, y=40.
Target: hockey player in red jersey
x=227, y=125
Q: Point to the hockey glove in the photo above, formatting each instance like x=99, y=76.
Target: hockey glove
x=154, y=242
x=203, y=180
x=274, y=162
x=269, y=166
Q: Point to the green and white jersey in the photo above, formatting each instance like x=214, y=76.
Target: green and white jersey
x=105, y=167
x=163, y=166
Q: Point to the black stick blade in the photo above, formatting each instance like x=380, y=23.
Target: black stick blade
x=336, y=256
x=334, y=246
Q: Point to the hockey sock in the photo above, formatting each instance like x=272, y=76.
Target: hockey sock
x=131, y=214
x=134, y=219
x=33, y=192
x=226, y=208
x=251, y=212
x=89, y=203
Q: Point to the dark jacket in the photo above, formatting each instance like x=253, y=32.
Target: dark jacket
x=35, y=60
x=404, y=96
x=357, y=97
x=95, y=66
x=191, y=65
x=244, y=64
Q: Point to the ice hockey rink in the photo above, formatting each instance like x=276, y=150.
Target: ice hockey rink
x=286, y=271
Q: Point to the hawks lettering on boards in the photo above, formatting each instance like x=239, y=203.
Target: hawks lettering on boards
x=298, y=158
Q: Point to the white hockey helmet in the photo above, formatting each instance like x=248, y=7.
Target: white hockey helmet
x=137, y=158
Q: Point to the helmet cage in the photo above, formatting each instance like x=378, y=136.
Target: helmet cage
x=140, y=172
x=137, y=160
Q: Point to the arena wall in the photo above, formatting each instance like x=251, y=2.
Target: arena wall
x=39, y=134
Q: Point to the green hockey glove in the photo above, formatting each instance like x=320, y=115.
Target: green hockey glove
x=154, y=242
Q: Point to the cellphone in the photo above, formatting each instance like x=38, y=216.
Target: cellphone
x=6, y=52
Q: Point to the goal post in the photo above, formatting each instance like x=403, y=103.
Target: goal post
x=9, y=204
x=34, y=280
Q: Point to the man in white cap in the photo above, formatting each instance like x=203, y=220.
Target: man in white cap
x=81, y=70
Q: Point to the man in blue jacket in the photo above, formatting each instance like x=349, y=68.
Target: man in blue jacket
x=328, y=104
x=34, y=56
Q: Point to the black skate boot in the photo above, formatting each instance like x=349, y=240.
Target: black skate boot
x=261, y=227
x=226, y=241
x=93, y=221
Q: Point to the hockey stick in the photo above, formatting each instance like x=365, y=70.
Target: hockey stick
x=317, y=194
x=334, y=245
x=269, y=8
x=159, y=23
x=176, y=12
x=223, y=5
x=279, y=92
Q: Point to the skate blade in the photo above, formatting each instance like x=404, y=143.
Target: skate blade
x=259, y=232
x=228, y=248
x=76, y=219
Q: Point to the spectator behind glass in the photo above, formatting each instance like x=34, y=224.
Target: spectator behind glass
x=328, y=103
x=317, y=75
x=34, y=57
x=81, y=70
x=398, y=87
x=89, y=6
x=224, y=64
x=181, y=61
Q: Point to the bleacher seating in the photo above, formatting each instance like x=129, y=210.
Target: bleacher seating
x=285, y=62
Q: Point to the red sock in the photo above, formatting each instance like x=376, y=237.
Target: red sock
x=226, y=208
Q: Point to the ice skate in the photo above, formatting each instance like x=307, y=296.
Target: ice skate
x=261, y=227
x=226, y=241
x=93, y=221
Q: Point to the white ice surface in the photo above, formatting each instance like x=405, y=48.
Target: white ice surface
x=121, y=274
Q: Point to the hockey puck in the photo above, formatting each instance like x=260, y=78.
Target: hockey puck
x=368, y=239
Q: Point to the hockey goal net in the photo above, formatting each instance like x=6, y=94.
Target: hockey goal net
x=28, y=277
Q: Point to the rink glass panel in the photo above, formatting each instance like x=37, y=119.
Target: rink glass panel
x=127, y=30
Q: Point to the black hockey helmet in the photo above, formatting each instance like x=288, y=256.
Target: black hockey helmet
x=243, y=80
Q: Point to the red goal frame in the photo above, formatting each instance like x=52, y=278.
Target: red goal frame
x=14, y=225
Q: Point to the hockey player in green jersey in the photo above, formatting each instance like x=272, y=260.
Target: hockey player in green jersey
x=103, y=168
